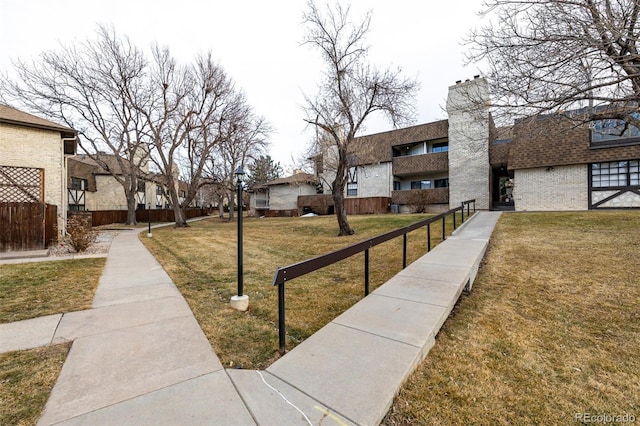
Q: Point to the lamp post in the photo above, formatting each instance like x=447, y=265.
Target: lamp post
x=149, y=220
x=240, y=302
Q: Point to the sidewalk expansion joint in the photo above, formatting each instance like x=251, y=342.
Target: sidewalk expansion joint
x=375, y=334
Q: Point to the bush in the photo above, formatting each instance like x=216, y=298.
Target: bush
x=80, y=235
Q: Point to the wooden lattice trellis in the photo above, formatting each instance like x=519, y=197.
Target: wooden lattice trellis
x=21, y=184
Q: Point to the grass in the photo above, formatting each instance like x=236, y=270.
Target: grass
x=202, y=262
x=30, y=290
x=551, y=328
x=26, y=379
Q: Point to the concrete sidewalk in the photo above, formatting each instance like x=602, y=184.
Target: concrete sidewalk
x=352, y=368
x=140, y=358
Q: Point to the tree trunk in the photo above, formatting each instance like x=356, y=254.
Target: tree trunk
x=337, y=193
x=232, y=205
x=180, y=217
x=131, y=208
x=341, y=214
x=220, y=206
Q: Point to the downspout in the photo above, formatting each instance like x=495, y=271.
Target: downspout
x=65, y=193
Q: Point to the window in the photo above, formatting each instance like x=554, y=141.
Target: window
x=440, y=147
x=421, y=184
x=612, y=130
x=79, y=184
x=615, y=174
x=141, y=186
x=441, y=183
x=352, y=189
x=396, y=185
x=407, y=150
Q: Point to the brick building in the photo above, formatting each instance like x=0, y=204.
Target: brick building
x=547, y=163
x=33, y=153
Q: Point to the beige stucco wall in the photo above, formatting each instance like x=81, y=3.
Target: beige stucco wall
x=375, y=180
x=109, y=195
x=625, y=200
x=285, y=197
x=37, y=148
x=556, y=188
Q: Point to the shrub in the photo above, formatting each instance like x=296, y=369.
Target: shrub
x=79, y=233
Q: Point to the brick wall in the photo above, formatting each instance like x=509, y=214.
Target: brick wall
x=29, y=147
x=554, y=188
x=467, y=106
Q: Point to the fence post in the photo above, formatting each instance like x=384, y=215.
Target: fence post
x=443, y=229
x=428, y=237
x=281, y=329
x=366, y=272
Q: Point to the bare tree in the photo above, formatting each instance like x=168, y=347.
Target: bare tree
x=194, y=113
x=578, y=58
x=243, y=140
x=351, y=90
x=87, y=87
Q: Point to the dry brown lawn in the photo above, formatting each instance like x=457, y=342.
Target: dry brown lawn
x=35, y=289
x=551, y=328
x=30, y=290
x=26, y=379
x=202, y=262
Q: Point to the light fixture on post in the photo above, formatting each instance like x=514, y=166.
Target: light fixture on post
x=240, y=302
x=149, y=220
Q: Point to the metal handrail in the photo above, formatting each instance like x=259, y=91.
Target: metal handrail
x=287, y=273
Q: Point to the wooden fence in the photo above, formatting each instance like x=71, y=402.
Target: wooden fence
x=107, y=217
x=27, y=226
x=323, y=204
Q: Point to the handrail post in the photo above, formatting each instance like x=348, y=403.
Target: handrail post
x=404, y=251
x=462, y=211
x=454, y=219
x=366, y=272
x=281, y=326
x=443, y=229
x=428, y=237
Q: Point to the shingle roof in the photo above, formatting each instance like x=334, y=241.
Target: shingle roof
x=107, y=163
x=297, y=178
x=10, y=115
x=556, y=141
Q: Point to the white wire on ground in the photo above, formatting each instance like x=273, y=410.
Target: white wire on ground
x=285, y=399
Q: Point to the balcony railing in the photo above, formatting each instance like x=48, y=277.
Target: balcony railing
x=420, y=164
x=421, y=196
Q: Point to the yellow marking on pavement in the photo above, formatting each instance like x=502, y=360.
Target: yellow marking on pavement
x=330, y=414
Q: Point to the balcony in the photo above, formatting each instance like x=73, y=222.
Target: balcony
x=421, y=164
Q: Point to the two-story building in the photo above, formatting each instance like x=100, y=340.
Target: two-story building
x=33, y=153
x=554, y=162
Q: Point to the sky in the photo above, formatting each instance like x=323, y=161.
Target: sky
x=258, y=43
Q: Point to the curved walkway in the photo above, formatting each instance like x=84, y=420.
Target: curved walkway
x=139, y=357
